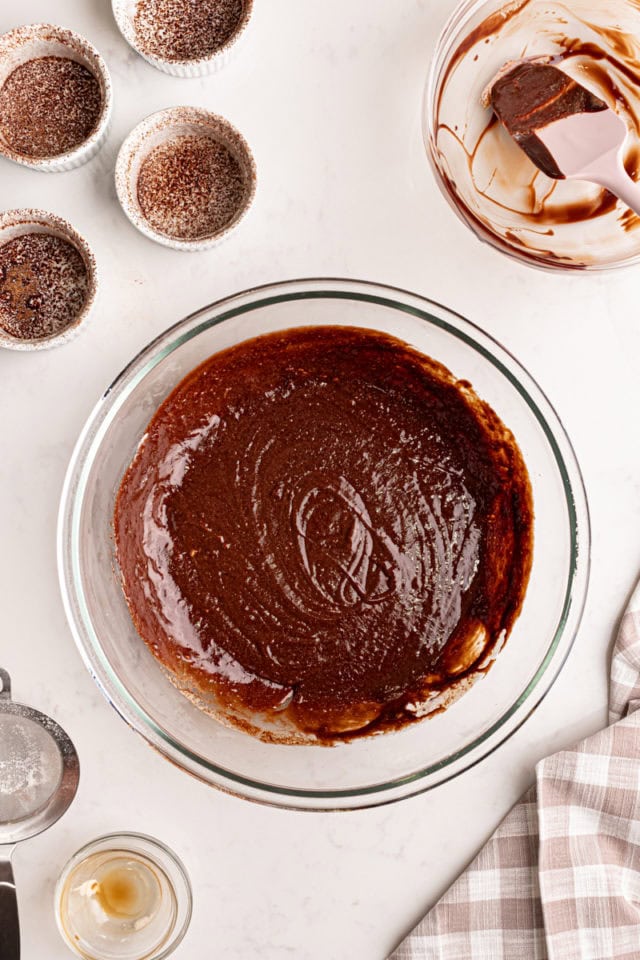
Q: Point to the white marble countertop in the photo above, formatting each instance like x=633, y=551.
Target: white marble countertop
x=328, y=95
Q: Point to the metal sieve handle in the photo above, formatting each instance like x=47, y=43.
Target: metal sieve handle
x=9, y=926
x=5, y=685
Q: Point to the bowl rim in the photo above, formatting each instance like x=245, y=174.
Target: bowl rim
x=416, y=782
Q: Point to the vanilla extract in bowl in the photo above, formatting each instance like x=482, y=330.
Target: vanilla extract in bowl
x=123, y=897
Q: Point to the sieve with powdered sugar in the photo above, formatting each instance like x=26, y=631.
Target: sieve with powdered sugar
x=39, y=774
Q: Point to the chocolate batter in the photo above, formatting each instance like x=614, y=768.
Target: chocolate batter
x=321, y=530
x=529, y=95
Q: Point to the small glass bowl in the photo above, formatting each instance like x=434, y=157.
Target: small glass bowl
x=490, y=183
x=172, y=880
x=368, y=771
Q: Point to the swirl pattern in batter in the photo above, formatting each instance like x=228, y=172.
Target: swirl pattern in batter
x=321, y=531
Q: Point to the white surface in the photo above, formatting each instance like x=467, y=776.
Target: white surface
x=328, y=95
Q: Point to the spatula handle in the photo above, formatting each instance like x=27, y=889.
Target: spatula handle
x=9, y=926
x=615, y=178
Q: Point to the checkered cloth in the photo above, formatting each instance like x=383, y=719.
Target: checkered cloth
x=560, y=877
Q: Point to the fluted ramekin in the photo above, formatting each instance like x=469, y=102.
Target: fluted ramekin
x=16, y=223
x=124, y=12
x=47, y=40
x=159, y=128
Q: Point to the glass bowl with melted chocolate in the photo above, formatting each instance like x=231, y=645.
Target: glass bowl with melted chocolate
x=319, y=512
x=490, y=182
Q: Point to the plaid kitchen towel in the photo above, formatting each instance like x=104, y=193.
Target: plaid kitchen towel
x=560, y=877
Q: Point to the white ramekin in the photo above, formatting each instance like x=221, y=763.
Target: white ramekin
x=46, y=40
x=124, y=12
x=157, y=129
x=15, y=223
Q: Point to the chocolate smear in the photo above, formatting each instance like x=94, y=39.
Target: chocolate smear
x=529, y=95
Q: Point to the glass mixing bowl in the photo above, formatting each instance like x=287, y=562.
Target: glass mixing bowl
x=490, y=183
x=364, y=772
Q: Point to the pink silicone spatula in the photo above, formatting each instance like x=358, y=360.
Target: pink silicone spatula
x=566, y=130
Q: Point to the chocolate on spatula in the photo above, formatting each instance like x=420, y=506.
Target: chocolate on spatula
x=529, y=95
x=568, y=132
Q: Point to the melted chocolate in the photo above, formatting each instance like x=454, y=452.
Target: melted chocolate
x=322, y=528
x=485, y=31
x=528, y=96
x=598, y=63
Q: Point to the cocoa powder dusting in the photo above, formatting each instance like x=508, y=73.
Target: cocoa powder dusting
x=49, y=106
x=43, y=286
x=186, y=29
x=190, y=187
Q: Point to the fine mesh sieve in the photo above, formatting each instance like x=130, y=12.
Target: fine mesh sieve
x=39, y=774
